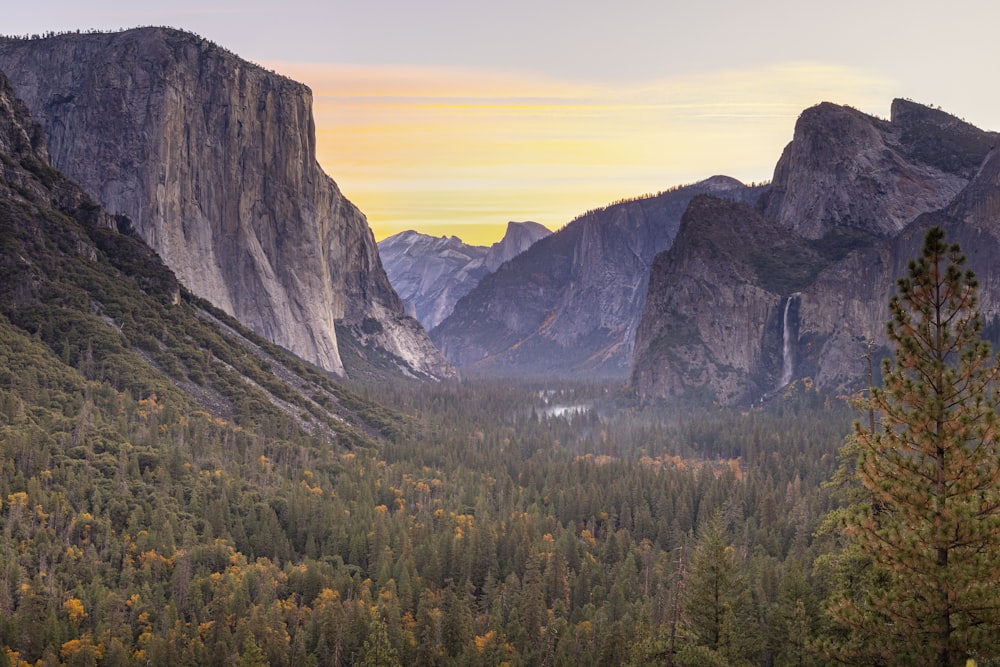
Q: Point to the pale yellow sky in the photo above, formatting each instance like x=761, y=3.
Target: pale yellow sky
x=536, y=110
x=462, y=151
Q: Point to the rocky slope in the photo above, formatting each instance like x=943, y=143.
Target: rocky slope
x=213, y=159
x=518, y=237
x=714, y=300
x=847, y=304
x=432, y=273
x=88, y=311
x=846, y=172
x=747, y=300
x=570, y=304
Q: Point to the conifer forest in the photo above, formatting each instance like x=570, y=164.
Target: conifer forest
x=497, y=523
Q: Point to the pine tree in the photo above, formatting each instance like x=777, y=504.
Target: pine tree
x=252, y=654
x=377, y=650
x=929, y=521
x=718, y=616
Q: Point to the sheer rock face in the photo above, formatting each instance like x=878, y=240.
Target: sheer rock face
x=432, y=273
x=847, y=304
x=851, y=199
x=847, y=173
x=47, y=222
x=569, y=305
x=714, y=298
x=519, y=237
x=213, y=159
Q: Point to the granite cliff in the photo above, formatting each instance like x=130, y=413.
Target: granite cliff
x=94, y=324
x=570, y=304
x=749, y=299
x=712, y=303
x=432, y=273
x=518, y=237
x=213, y=160
x=846, y=172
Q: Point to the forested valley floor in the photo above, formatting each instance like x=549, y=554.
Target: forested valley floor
x=489, y=529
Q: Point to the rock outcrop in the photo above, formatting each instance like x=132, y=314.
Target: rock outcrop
x=570, y=304
x=432, y=273
x=213, y=159
x=711, y=326
x=87, y=309
x=848, y=173
x=748, y=300
x=847, y=303
x=519, y=237
x=31, y=192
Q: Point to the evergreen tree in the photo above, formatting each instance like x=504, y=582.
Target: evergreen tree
x=532, y=607
x=929, y=521
x=252, y=655
x=718, y=612
x=430, y=651
x=457, y=631
x=377, y=650
x=792, y=619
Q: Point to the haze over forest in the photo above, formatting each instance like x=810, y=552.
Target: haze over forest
x=234, y=430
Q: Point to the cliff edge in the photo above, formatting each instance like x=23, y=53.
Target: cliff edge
x=214, y=160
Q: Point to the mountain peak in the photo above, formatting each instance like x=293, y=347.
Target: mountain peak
x=748, y=299
x=721, y=183
x=569, y=305
x=907, y=113
x=214, y=161
x=941, y=139
x=431, y=273
x=519, y=237
x=848, y=173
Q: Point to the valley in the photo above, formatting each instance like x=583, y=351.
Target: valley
x=659, y=435
x=472, y=534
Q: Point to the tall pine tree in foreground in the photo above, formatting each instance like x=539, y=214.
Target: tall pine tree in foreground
x=929, y=521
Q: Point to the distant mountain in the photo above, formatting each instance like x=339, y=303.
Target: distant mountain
x=214, y=161
x=90, y=317
x=432, y=273
x=570, y=304
x=750, y=298
x=519, y=237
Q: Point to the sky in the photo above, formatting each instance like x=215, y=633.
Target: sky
x=456, y=116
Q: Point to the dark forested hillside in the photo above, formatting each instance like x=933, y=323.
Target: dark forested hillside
x=177, y=491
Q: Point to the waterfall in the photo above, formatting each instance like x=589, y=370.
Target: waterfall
x=786, y=348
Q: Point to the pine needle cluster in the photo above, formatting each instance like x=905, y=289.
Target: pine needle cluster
x=928, y=524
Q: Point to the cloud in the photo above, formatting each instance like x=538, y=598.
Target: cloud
x=426, y=146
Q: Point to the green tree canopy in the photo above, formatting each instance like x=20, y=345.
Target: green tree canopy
x=929, y=521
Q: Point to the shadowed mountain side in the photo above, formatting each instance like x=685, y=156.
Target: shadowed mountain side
x=432, y=273
x=743, y=304
x=214, y=160
x=569, y=305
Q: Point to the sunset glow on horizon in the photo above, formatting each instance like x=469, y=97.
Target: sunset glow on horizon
x=451, y=117
x=461, y=151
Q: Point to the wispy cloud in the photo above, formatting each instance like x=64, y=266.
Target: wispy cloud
x=419, y=147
